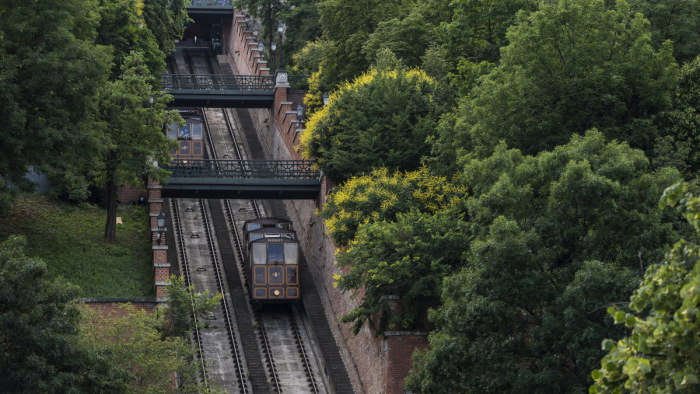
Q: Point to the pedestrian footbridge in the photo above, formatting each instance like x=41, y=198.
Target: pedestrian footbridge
x=220, y=91
x=263, y=179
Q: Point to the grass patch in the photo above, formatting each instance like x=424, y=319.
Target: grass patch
x=70, y=239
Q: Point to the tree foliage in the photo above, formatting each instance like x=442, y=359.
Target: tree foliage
x=348, y=24
x=132, y=115
x=134, y=338
x=167, y=20
x=121, y=27
x=50, y=73
x=40, y=350
x=477, y=28
x=184, y=303
x=381, y=196
x=407, y=38
x=569, y=66
x=396, y=268
x=381, y=119
x=557, y=238
x=681, y=123
x=674, y=20
x=662, y=352
x=399, y=235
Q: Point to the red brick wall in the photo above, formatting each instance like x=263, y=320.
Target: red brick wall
x=107, y=308
x=399, y=349
x=372, y=367
x=161, y=268
x=130, y=194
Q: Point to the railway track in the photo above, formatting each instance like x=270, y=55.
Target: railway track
x=275, y=335
x=286, y=356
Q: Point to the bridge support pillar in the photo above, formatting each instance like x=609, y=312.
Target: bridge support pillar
x=161, y=267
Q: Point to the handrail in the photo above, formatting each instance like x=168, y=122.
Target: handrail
x=211, y=3
x=249, y=169
x=265, y=83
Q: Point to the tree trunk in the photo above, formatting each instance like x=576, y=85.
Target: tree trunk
x=111, y=225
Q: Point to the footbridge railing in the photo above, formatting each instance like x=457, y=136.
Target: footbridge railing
x=247, y=83
x=244, y=169
x=211, y=3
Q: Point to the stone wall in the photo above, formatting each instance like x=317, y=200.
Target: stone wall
x=375, y=365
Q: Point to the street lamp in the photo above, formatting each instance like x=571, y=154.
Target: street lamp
x=273, y=48
x=300, y=113
x=160, y=221
x=326, y=98
x=280, y=31
x=261, y=47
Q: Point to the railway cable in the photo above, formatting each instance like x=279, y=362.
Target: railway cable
x=294, y=327
x=228, y=321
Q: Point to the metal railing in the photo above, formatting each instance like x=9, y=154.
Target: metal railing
x=265, y=83
x=211, y=3
x=243, y=169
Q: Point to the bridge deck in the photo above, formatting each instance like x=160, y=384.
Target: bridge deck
x=265, y=179
x=220, y=91
x=211, y=7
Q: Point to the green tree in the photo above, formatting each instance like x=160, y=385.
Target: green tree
x=50, y=72
x=348, y=25
x=395, y=269
x=132, y=115
x=661, y=354
x=122, y=28
x=568, y=67
x=558, y=237
x=407, y=38
x=381, y=119
x=167, y=20
x=134, y=338
x=674, y=20
x=303, y=27
x=184, y=303
x=40, y=350
x=680, y=125
x=477, y=28
x=381, y=196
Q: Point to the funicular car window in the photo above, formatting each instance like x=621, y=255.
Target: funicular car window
x=253, y=226
x=253, y=237
x=259, y=253
x=185, y=131
x=197, y=131
x=290, y=252
x=275, y=252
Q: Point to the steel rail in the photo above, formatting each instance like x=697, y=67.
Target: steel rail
x=240, y=375
x=302, y=351
x=219, y=277
x=180, y=245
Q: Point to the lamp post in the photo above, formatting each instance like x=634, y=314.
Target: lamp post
x=300, y=113
x=326, y=98
x=160, y=221
x=280, y=32
x=273, y=48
